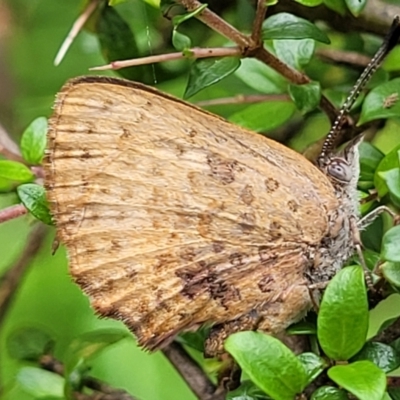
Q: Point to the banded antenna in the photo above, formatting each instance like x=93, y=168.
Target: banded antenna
x=389, y=42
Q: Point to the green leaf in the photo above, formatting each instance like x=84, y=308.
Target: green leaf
x=29, y=344
x=40, y=383
x=33, y=141
x=329, y=393
x=15, y=171
x=269, y=364
x=356, y=6
x=390, y=245
x=194, y=339
x=306, y=97
x=302, y=328
x=343, y=315
x=264, y=116
x=390, y=161
x=370, y=157
x=260, y=77
x=382, y=355
x=246, y=391
x=381, y=102
x=312, y=364
x=296, y=53
x=394, y=393
x=392, y=60
x=208, y=71
x=33, y=197
x=178, y=19
x=180, y=41
x=117, y=42
x=391, y=272
x=392, y=181
x=363, y=379
x=288, y=26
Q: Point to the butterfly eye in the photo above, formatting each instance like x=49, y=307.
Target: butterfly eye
x=340, y=170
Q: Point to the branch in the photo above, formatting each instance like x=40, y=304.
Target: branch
x=12, y=212
x=194, y=53
x=12, y=278
x=345, y=57
x=258, y=21
x=193, y=375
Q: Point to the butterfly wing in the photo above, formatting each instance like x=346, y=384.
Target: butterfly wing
x=172, y=216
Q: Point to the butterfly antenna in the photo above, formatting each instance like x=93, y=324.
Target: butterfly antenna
x=389, y=42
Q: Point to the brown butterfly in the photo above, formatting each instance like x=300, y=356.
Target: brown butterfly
x=173, y=217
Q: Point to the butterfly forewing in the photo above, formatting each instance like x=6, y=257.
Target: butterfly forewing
x=173, y=217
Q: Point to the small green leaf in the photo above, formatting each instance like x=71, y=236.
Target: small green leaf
x=29, y=344
x=356, y=6
x=33, y=141
x=288, y=26
x=390, y=245
x=392, y=60
x=392, y=181
x=381, y=102
x=269, y=364
x=194, y=339
x=246, y=391
x=343, y=315
x=329, y=393
x=208, y=71
x=363, y=379
x=394, y=393
x=257, y=117
x=41, y=383
x=33, y=197
x=306, y=97
x=312, y=364
x=390, y=161
x=15, y=171
x=296, y=53
x=382, y=355
x=391, y=272
x=310, y=3
x=178, y=19
x=180, y=41
x=302, y=328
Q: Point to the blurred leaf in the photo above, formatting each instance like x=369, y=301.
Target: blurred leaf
x=337, y=5
x=118, y=42
x=382, y=355
x=343, y=316
x=15, y=171
x=390, y=161
x=33, y=141
x=180, y=41
x=40, y=383
x=356, y=6
x=390, y=245
x=392, y=60
x=246, y=391
x=260, y=77
x=194, y=339
x=296, y=53
x=309, y=3
x=381, y=102
x=312, y=364
x=392, y=180
x=394, y=393
x=391, y=272
x=363, y=379
x=29, y=344
x=33, y=197
x=264, y=116
x=288, y=26
x=115, y=2
x=269, y=364
x=208, y=71
x=306, y=97
x=302, y=328
x=6, y=185
x=329, y=393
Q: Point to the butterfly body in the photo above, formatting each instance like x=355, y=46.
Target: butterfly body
x=173, y=217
